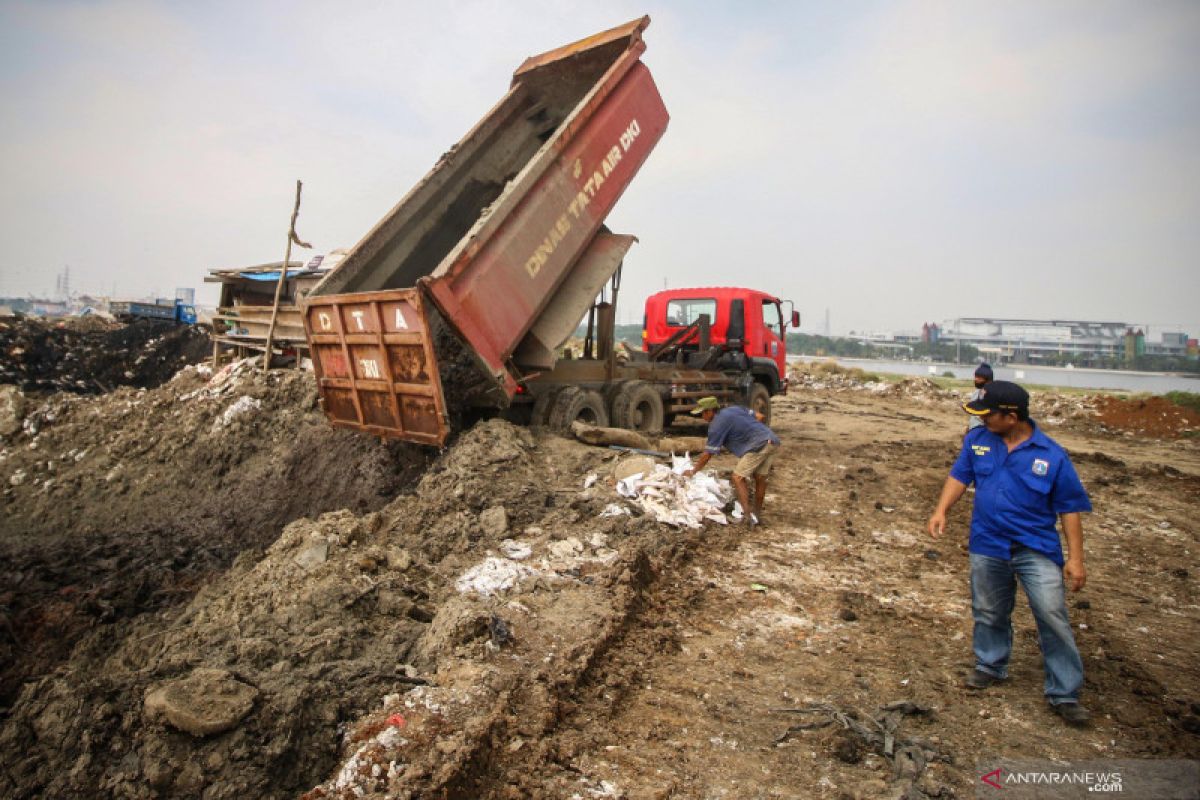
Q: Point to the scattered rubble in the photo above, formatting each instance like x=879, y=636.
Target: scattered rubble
x=670, y=498
x=921, y=389
x=12, y=410
x=1054, y=410
x=1151, y=416
x=828, y=376
x=824, y=376
x=878, y=732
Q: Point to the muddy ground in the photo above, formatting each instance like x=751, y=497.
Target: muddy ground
x=354, y=655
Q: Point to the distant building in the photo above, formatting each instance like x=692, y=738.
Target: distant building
x=1172, y=344
x=1034, y=340
x=1135, y=344
x=49, y=308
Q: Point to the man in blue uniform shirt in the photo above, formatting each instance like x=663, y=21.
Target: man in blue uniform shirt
x=742, y=432
x=1023, y=481
x=983, y=376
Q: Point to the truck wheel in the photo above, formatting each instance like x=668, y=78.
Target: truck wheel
x=540, y=416
x=638, y=407
x=760, y=401
x=575, y=404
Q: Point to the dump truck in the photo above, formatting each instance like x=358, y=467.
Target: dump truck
x=746, y=321
x=179, y=311
x=461, y=297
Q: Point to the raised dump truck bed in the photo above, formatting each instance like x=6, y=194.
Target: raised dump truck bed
x=494, y=252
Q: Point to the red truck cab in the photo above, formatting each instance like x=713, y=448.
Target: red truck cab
x=741, y=320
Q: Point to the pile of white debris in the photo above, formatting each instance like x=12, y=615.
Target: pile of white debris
x=665, y=494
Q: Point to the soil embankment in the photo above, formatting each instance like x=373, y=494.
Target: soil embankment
x=118, y=505
x=90, y=355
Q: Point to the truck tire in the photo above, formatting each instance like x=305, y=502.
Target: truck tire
x=540, y=416
x=760, y=401
x=638, y=407
x=575, y=404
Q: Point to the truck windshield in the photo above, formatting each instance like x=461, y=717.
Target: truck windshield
x=685, y=312
x=771, y=316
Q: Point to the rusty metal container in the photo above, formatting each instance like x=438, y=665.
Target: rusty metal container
x=430, y=307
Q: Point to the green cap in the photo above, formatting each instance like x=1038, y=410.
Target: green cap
x=706, y=404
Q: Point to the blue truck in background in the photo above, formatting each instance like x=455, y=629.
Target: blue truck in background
x=180, y=312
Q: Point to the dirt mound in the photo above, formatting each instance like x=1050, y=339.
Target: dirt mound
x=119, y=505
x=1059, y=409
x=827, y=376
x=921, y=389
x=1147, y=416
x=342, y=616
x=89, y=355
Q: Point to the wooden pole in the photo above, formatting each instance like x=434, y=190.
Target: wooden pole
x=287, y=257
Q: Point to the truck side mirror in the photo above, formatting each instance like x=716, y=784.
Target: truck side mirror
x=795, y=319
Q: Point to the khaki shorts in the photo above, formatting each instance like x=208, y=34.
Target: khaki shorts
x=758, y=463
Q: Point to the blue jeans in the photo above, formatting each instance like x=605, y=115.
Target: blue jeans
x=993, y=592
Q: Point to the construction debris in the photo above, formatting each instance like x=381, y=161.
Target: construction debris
x=12, y=410
x=668, y=497
x=909, y=756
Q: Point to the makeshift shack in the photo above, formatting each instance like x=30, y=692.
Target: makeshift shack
x=244, y=311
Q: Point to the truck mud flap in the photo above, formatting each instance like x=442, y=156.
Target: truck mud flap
x=375, y=364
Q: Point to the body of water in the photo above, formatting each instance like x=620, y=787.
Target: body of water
x=1150, y=382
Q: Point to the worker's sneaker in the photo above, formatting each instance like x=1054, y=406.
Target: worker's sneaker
x=981, y=680
x=1073, y=713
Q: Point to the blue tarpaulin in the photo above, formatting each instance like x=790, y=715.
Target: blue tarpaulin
x=269, y=276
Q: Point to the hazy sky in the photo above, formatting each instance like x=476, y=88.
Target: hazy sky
x=894, y=162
